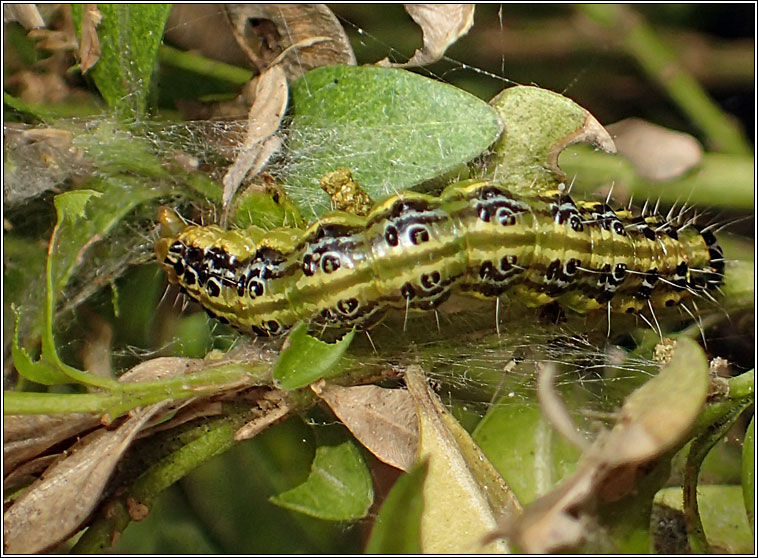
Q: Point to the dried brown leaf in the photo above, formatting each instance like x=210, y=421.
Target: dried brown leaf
x=26, y=436
x=383, y=420
x=657, y=153
x=272, y=408
x=265, y=31
x=40, y=88
x=26, y=14
x=442, y=25
x=25, y=474
x=162, y=368
x=190, y=410
x=264, y=119
x=89, y=47
x=55, y=506
x=204, y=28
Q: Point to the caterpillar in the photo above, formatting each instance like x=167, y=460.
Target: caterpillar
x=412, y=250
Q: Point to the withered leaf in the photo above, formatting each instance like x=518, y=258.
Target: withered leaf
x=26, y=14
x=263, y=121
x=162, y=368
x=26, y=436
x=272, y=407
x=442, y=25
x=383, y=420
x=657, y=153
x=54, y=507
x=89, y=46
x=264, y=31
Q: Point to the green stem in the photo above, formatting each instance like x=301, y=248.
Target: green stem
x=127, y=396
x=660, y=64
x=719, y=179
x=742, y=386
x=203, y=66
x=699, y=449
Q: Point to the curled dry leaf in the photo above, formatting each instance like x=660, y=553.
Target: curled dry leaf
x=89, y=46
x=189, y=410
x=442, y=25
x=653, y=420
x=263, y=121
x=26, y=436
x=27, y=473
x=264, y=31
x=657, y=153
x=204, y=28
x=162, y=368
x=383, y=420
x=55, y=506
x=554, y=408
x=463, y=494
x=272, y=408
x=26, y=14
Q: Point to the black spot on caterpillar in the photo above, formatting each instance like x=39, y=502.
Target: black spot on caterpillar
x=412, y=250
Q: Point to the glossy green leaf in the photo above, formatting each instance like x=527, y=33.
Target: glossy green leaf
x=338, y=488
x=393, y=129
x=722, y=513
x=524, y=448
x=306, y=359
x=129, y=35
x=397, y=528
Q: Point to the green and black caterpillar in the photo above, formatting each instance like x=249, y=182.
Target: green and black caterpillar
x=412, y=250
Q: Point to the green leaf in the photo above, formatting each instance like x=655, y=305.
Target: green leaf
x=539, y=124
x=261, y=209
x=130, y=35
x=724, y=521
x=393, y=129
x=21, y=106
x=306, y=359
x=39, y=371
x=397, y=528
x=748, y=472
x=339, y=487
x=84, y=217
x=524, y=448
x=72, y=204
